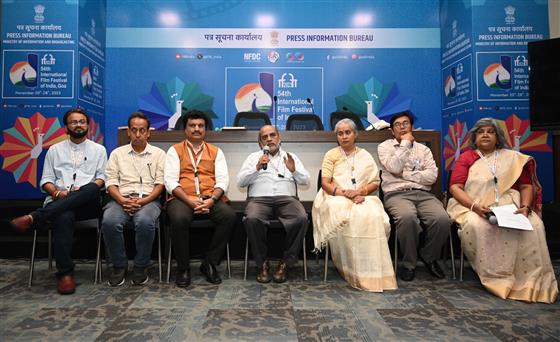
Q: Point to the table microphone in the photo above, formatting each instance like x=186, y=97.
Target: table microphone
x=266, y=150
x=311, y=104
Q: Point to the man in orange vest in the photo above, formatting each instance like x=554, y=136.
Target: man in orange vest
x=196, y=176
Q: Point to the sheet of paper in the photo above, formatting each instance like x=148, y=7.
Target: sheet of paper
x=507, y=218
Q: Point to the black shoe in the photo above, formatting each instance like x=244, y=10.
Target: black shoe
x=407, y=274
x=183, y=278
x=140, y=276
x=211, y=273
x=117, y=276
x=434, y=269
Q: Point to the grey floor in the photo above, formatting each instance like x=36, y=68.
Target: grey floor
x=238, y=310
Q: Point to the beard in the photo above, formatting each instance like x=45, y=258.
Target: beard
x=77, y=135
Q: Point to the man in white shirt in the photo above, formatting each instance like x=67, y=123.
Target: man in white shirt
x=73, y=174
x=272, y=178
x=135, y=183
x=196, y=175
x=408, y=172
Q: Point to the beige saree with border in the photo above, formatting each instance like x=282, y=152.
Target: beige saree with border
x=356, y=233
x=511, y=263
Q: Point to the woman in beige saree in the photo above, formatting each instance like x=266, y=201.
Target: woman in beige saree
x=349, y=218
x=510, y=263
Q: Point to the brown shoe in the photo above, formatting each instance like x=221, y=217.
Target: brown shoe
x=281, y=273
x=22, y=223
x=66, y=285
x=263, y=273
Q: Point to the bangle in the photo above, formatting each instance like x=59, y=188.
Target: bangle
x=472, y=205
x=56, y=193
x=334, y=191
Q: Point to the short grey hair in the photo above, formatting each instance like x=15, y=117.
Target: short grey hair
x=349, y=122
x=501, y=141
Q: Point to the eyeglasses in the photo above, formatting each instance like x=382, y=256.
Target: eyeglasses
x=404, y=124
x=77, y=122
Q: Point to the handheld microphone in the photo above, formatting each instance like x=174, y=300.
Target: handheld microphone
x=311, y=104
x=266, y=150
x=492, y=218
x=275, y=111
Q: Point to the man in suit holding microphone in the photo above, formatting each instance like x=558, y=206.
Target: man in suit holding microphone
x=271, y=176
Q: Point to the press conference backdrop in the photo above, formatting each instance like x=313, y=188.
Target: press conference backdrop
x=369, y=57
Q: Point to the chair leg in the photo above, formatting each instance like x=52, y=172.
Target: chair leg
x=228, y=260
x=246, y=258
x=169, y=263
x=49, y=244
x=98, y=257
x=32, y=260
x=462, y=265
x=452, y=256
x=326, y=261
x=304, y=261
x=396, y=252
x=159, y=253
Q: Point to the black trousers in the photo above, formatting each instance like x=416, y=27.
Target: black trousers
x=289, y=211
x=180, y=217
x=78, y=205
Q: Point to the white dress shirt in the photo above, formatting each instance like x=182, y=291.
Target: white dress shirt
x=406, y=166
x=173, y=165
x=68, y=165
x=276, y=180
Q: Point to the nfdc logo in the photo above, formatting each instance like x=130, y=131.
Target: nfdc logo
x=252, y=56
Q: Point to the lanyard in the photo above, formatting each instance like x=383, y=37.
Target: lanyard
x=78, y=158
x=351, y=166
x=278, y=163
x=195, y=167
x=493, y=170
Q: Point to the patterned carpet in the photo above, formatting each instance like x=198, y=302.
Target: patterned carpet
x=238, y=310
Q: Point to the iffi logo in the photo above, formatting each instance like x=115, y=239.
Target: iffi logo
x=287, y=80
x=252, y=57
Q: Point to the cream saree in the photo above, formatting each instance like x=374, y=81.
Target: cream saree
x=511, y=263
x=356, y=233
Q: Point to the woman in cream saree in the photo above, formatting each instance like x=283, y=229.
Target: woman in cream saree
x=510, y=263
x=350, y=219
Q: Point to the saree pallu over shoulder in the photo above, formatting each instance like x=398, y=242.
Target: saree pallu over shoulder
x=510, y=263
x=356, y=233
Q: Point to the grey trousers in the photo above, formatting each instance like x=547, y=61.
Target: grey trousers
x=289, y=211
x=414, y=212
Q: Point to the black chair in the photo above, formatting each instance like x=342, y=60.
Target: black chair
x=274, y=224
x=454, y=230
x=199, y=222
x=130, y=226
x=381, y=197
x=93, y=223
x=304, y=122
x=337, y=116
x=251, y=120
